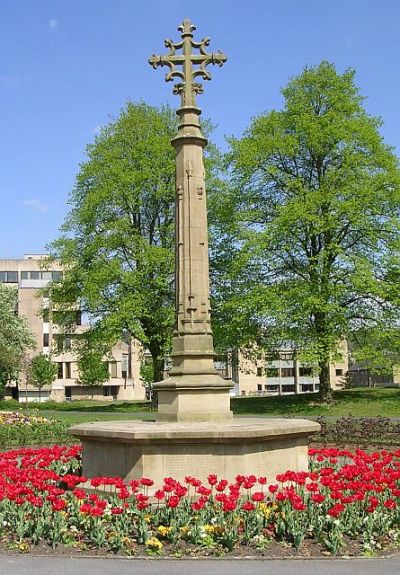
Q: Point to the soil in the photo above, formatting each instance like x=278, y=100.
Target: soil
x=183, y=550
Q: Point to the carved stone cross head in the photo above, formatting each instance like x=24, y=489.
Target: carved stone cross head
x=187, y=65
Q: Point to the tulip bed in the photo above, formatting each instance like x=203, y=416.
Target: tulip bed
x=348, y=503
x=18, y=428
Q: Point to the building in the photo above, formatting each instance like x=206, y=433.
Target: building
x=252, y=374
x=28, y=276
x=277, y=374
x=362, y=376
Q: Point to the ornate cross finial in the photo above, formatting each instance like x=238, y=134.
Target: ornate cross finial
x=193, y=65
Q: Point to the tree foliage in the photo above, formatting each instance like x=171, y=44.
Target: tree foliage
x=15, y=337
x=41, y=371
x=308, y=234
x=93, y=370
x=117, y=241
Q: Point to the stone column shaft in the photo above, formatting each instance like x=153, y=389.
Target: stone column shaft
x=194, y=391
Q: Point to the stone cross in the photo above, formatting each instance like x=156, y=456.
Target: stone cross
x=194, y=391
x=193, y=65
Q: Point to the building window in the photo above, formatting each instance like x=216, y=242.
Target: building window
x=68, y=393
x=110, y=391
x=113, y=369
x=272, y=388
x=9, y=277
x=57, y=276
x=125, y=366
x=287, y=372
x=67, y=370
x=259, y=387
x=59, y=343
x=305, y=371
x=78, y=318
x=46, y=340
x=259, y=371
x=307, y=387
x=243, y=392
x=60, y=373
x=286, y=355
x=67, y=343
x=338, y=372
x=63, y=343
x=287, y=388
x=41, y=275
x=46, y=314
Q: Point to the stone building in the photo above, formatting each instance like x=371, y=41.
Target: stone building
x=28, y=276
x=278, y=374
x=252, y=374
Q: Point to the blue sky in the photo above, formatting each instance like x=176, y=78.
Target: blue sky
x=67, y=66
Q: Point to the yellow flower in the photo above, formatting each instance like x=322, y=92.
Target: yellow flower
x=163, y=530
x=154, y=544
x=266, y=509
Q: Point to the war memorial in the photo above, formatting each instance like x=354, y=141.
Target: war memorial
x=194, y=432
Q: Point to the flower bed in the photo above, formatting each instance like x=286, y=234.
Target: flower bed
x=347, y=502
x=360, y=431
x=18, y=428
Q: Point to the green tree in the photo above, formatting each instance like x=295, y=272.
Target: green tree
x=41, y=371
x=147, y=377
x=117, y=241
x=93, y=370
x=15, y=338
x=309, y=231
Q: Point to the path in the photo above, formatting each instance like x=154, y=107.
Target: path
x=27, y=565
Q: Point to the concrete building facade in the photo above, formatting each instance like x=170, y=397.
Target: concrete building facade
x=28, y=276
x=252, y=374
x=278, y=374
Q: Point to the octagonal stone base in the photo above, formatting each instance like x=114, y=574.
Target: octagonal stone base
x=131, y=449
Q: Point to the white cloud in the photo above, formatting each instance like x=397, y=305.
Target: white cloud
x=36, y=204
x=53, y=24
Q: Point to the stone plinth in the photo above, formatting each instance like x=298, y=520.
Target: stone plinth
x=185, y=405
x=132, y=450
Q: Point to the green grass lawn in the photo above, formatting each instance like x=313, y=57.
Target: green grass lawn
x=74, y=417
x=92, y=406
x=360, y=402
x=341, y=430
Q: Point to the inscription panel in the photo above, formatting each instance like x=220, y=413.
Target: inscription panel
x=179, y=465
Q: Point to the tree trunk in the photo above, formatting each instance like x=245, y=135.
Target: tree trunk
x=325, y=391
x=158, y=367
x=158, y=370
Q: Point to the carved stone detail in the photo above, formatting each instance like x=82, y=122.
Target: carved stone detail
x=192, y=347
x=193, y=65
